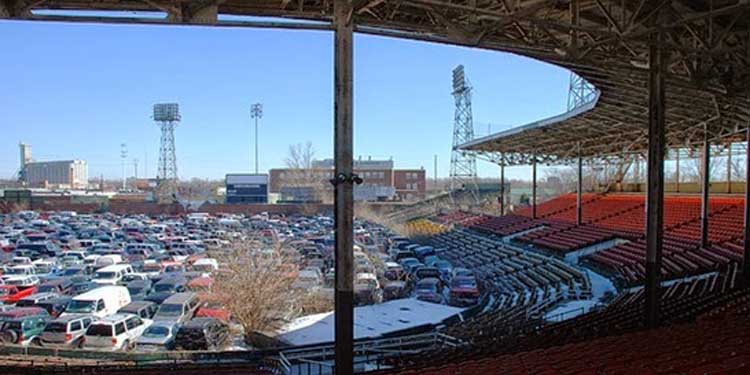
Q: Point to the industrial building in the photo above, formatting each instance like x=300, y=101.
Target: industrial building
x=381, y=181
x=73, y=174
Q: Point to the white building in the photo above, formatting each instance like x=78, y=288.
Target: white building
x=72, y=174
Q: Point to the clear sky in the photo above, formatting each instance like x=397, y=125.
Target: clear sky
x=77, y=91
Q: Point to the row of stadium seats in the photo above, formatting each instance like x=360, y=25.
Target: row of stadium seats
x=708, y=299
x=710, y=346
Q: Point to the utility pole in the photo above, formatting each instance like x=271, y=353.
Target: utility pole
x=135, y=166
x=256, y=112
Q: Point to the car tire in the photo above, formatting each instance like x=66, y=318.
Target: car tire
x=9, y=337
x=36, y=341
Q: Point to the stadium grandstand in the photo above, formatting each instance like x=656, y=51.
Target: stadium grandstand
x=668, y=75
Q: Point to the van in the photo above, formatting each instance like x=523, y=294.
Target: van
x=111, y=275
x=179, y=308
x=99, y=302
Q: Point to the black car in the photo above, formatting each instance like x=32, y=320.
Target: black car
x=202, y=334
x=55, y=306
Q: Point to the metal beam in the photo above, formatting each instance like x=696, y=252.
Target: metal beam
x=705, y=187
x=533, y=187
x=579, y=189
x=655, y=184
x=746, y=232
x=502, y=186
x=343, y=193
x=677, y=171
x=729, y=168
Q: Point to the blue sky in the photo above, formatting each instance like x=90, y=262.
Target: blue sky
x=79, y=91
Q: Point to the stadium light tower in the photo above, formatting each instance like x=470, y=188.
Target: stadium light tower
x=124, y=156
x=167, y=116
x=463, y=165
x=256, y=112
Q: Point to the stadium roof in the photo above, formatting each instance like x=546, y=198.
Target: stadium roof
x=604, y=41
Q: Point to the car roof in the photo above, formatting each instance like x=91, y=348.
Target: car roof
x=179, y=298
x=137, y=305
x=68, y=318
x=114, y=318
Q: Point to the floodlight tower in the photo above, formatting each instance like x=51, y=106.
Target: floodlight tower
x=463, y=165
x=167, y=116
x=124, y=156
x=580, y=92
x=256, y=112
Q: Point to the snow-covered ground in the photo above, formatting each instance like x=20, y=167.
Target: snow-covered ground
x=369, y=321
x=600, y=285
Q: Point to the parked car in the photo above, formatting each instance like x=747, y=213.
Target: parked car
x=55, y=306
x=429, y=290
x=112, y=274
x=202, y=334
x=178, y=308
x=158, y=336
x=393, y=271
x=167, y=287
x=367, y=289
x=395, y=290
x=144, y=309
x=464, y=291
x=115, y=332
x=58, y=286
x=19, y=312
x=99, y=302
x=22, y=330
x=139, y=289
x=66, y=331
x=11, y=294
x=35, y=298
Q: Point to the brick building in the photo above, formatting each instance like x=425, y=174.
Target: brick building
x=378, y=176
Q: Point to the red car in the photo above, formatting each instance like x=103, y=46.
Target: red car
x=10, y=294
x=464, y=291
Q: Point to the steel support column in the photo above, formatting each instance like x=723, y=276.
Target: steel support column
x=343, y=193
x=579, y=188
x=705, y=187
x=502, y=186
x=746, y=244
x=533, y=187
x=677, y=171
x=655, y=183
x=729, y=168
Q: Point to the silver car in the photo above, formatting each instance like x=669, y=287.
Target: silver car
x=65, y=331
x=159, y=336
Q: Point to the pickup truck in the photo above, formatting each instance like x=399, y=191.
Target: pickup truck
x=10, y=294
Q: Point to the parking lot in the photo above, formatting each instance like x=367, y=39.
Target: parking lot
x=121, y=283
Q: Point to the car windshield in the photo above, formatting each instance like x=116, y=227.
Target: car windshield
x=47, y=289
x=56, y=327
x=135, y=289
x=78, y=306
x=164, y=287
x=170, y=310
x=99, y=330
x=15, y=271
x=156, y=332
x=426, y=287
x=71, y=271
x=105, y=275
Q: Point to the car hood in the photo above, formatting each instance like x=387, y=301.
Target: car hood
x=153, y=340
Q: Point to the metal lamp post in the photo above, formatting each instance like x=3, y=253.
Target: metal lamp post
x=256, y=112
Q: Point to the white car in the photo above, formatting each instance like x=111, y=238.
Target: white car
x=115, y=332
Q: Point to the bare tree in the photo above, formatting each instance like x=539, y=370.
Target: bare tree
x=302, y=175
x=253, y=285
